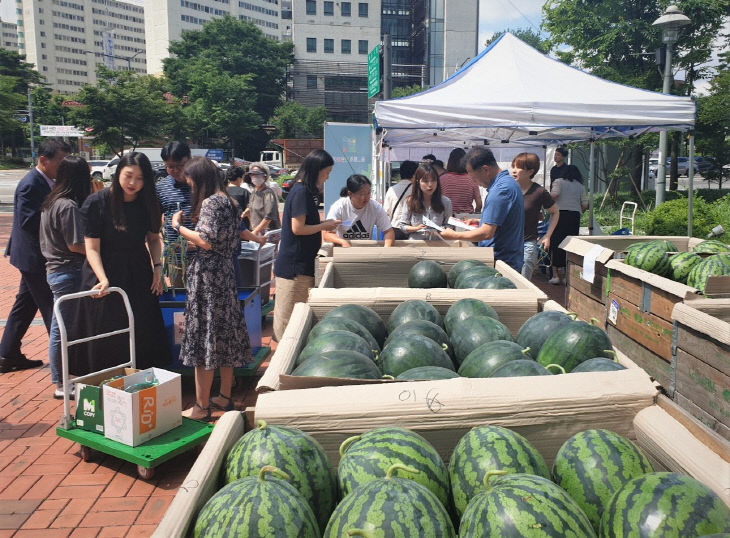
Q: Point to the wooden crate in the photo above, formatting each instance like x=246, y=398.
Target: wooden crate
x=702, y=362
x=658, y=368
x=586, y=308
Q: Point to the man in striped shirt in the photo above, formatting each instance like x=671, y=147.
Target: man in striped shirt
x=172, y=191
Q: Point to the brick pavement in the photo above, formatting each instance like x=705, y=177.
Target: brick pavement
x=45, y=487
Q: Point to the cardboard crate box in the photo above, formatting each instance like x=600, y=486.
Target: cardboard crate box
x=90, y=400
x=133, y=418
x=701, y=380
x=514, y=307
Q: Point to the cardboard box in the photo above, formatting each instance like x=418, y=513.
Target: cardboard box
x=132, y=418
x=90, y=401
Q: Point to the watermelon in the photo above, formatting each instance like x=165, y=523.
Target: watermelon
x=593, y=464
x=367, y=457
x=485, y=358
x=427, y=372
x=517, y=505
x=494, y=283
x=467, y=277
x=391, y=506
x=421, y=327
x=335, y=341
x=574, y=343
x=459, y=268
x=343, y=324
x=712, y=266
x=365, y=316
x=711, y=246
x=489, y=448
x=681, y=264
x=295, y=453
x=598, y=364
x=670, y=505
x=519, y=368
x=722, y=257
x=410, y=351
x=540, y=327
x=339, y=363
x=412, y=310
x=262, y=505
x=665, y=245
x=466, y=308
x=426, y=274
x=475, y=331
x=652, y=258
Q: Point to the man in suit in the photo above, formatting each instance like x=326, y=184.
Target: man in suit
x=25, y=254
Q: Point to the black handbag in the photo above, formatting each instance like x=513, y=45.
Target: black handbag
x=400, y=235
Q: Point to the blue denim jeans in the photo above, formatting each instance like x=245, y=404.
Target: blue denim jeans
x=61, y=282
x=530, y=259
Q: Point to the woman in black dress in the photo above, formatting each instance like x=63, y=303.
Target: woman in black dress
x=123, y=248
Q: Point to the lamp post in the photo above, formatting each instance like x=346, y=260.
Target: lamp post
x=670, y=23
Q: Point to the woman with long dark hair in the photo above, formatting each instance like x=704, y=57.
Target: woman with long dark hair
x=215, y=331
x=62, y=245
x=124, y=249
x=301, y=237
x=356, y=207
x=427, y=201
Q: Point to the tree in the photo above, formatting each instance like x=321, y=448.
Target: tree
x=234, y=78
x=529, y=36
x=13, y=65
x=293, y=120
x=713, y=122
x=16, y=76
x=404, y=91
x=10, y=102
x=122, y=109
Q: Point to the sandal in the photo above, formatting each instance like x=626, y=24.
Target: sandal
x=204, y=418
x=227, y=407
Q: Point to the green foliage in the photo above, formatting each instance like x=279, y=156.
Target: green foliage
x=713, y=122
x=234, y=78
x=47, y=107
x=10, y=102
x=122, y=109
x=529, y=36
x=670, y=218
x=293, y=120
x=404, y=91
x=13, y=65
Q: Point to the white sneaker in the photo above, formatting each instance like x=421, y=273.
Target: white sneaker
x=58, y=393
x=555, y=280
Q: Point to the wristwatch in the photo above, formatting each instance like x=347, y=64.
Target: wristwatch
x=177, y=228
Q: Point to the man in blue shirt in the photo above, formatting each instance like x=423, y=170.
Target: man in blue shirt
x=503, y=217
x=172, y=191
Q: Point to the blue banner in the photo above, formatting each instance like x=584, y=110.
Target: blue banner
x=350, y=145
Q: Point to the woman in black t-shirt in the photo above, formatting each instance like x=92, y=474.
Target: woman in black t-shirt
x=301, y=237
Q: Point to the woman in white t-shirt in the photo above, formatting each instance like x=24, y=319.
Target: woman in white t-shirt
x=358, y=214
x=425, y=202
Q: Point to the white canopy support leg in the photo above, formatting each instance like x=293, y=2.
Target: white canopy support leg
x=691, y=186
x=544, y=167
x=591, y=178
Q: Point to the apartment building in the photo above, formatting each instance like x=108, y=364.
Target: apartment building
x=66, y=39
x=165, y=20
x=8, y=35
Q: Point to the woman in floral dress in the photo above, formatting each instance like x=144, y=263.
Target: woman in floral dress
x=215, y=331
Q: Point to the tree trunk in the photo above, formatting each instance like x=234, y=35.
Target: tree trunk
x=674, y=153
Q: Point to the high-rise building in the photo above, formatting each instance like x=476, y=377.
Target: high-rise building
x=66, y=39
x=430, y=40
x=165, y=20
x=9, y=35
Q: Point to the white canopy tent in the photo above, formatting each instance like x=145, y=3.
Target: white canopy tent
x=513, y=95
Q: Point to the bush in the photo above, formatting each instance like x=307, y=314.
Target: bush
x=670, y=218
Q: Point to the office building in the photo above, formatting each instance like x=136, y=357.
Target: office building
x=9, y=35
x=66, y=39
x=430, y=39
x=165, y=20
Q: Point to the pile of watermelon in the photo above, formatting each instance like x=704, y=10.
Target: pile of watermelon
x=660, y=257
x=391, y=482
x=464, y=274
x=352, y=341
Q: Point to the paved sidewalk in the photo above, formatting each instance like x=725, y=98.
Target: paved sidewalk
x=45, y=487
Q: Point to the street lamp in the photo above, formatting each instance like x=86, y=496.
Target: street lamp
x=670, y=23
x=268, y=129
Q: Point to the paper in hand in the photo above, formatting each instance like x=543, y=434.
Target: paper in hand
x=346, y=223
x=431, y=224
x=461, y=224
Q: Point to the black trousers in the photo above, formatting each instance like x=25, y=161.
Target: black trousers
x=34, y=294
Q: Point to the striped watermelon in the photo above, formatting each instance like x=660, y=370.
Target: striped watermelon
x=598, y=364
x=520, y=368
x=538, y=328
x=411, y=351
x=367, y=457
x=426, y=274
x=261, y=505
x=367, y=317
x=342, y=324
x=339, y=363
x=652, y=258
x=670, y=505
x=413, y=310
x=487, y=357
x=466, y=308
x=295, y=453
x=711, y=246
x=336, y=341
x=489, y=448
x=712, y=266
x=467, y=277
x=517, y=505
x=681, y=264
x=421, y=327
x=665, y=245
x=593, y=464
x=391, y=507
x=493, y=283
x=475, y=331
x=427, y=372
x=459, y=268
x=574, y=343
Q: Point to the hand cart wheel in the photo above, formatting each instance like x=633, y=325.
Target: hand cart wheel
x=87, y=453
x=145, y=473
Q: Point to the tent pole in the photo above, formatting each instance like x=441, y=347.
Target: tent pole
x=544, y=167
x=591, y=177
x=691, y=186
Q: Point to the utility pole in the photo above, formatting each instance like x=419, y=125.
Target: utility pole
x=387, y=67
x=30, y=118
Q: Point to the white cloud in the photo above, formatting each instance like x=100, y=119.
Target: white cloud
x=498, y=15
